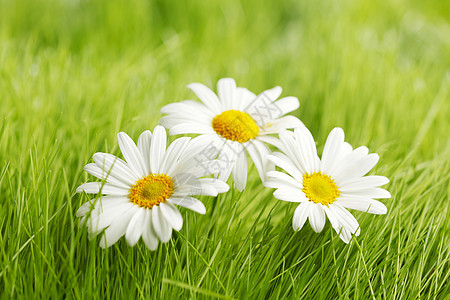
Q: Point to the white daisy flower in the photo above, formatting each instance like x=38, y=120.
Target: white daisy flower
x=234, y=121
x=327, y=186
x=142, y=191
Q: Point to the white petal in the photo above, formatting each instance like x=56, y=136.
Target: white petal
x=346, y=220
x=115, y=167
x=197, y=157
x=344, y=234
x=332, y=147
x=191, y=127
x=332, y=217
x=143, y=144
x=131, y=153
x=227, y=159
x=188, y=118
x=83, y=221
x=104, y=188
x=271, y=140
x=306, y=148
x=220, y=186
x=349, y=167
x=106, y=214
x=149, y=235
x=117, y=229
x=258, y=153
x=203, y=147
x=86, y=208
x=244, y=98
x=263, y=151
x=287, y=104
x=359, y=168
x=190, y=203
x=188, y=112
x=207, y=97
x=226, y=89
x=99, y=203
x=368, y=193
x=172, y=215
x=290, y=146
x=256, y=158
x=196, y=169
x=273, y=93
x=346, y=149
x=363, y=204
x=262, y=110
x=188, y=109
x=174, y=151
x=135, y=227
x=317, y=217
x=301, y=213
x=363, y=183
x=157, y=148
x=240, y=171
x=162, y=228
x=194, y=189
x=284, y=178
x=281, y=180
x=341, y=159
x=290, y=195
x=280, y=124
x=286, y=164
x=96, y=171
x=278, y=184
x=358, y=153
x=185, y=179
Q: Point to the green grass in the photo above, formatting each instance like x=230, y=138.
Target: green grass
x=74, y=73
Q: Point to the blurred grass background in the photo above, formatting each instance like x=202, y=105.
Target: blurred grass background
x=74, y=73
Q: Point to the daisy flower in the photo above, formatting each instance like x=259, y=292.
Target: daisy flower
x=141, y=193
x=327, y=186
x=233, y=123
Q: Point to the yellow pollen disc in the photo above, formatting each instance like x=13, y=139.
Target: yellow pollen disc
x=235, y=125
x=320, y=188
x=151, y=190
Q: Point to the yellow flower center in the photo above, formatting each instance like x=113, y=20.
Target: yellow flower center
x=151, y=190
x=235, y=125
x=320, y=188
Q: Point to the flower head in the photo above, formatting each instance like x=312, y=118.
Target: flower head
x=233, y=123
x=327, y=186
x=141, y=193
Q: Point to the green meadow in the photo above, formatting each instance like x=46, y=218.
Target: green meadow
x=74, y=73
